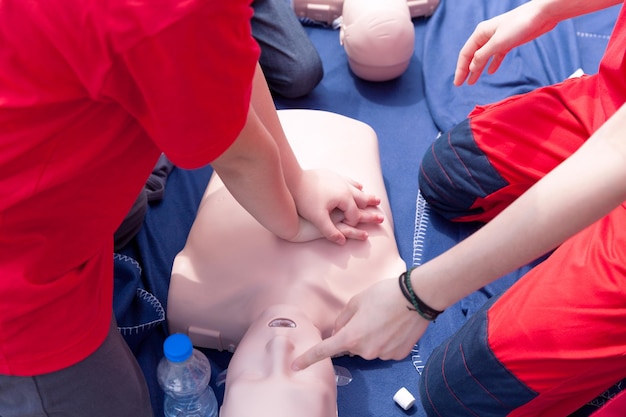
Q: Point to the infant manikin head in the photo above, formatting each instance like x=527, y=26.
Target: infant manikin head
x=260, y=381
x=378, y=36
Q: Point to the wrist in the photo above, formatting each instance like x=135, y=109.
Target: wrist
x=549, y=11
x=416, y=303
x=430, y=290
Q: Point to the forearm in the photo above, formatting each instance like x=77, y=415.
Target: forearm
x=252, y=172
x=581, y=190
x=264, y=106
x=492, y=39
x=559, y=10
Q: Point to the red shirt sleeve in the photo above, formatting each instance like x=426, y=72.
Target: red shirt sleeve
x=189, y=84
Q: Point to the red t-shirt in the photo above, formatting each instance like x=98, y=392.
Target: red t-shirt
x=91, y=92
x=612, y=74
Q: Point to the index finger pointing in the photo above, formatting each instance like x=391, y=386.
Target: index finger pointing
x=325, y=349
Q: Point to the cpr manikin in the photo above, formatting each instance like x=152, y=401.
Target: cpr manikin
x=233, y=277
x=378, y=36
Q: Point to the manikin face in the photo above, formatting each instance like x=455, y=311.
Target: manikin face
x=260, y=381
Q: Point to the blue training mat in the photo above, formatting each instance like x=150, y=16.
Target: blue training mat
x=407, y=114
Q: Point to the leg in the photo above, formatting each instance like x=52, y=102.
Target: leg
x=107, y=383
x=551, y=343
x=474, y=171
x=290, y=62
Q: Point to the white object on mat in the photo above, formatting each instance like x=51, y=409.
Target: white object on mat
x=404, y=398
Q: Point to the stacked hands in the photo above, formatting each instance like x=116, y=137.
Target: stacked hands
x=261, y=171
x=333, y=207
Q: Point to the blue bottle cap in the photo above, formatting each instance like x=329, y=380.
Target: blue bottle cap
x=177, y=347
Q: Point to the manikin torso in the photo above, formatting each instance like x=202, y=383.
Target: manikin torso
x=233, y=276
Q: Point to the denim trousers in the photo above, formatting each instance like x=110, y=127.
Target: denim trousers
x=290, y=61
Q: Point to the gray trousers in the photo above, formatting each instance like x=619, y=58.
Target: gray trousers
x=108, y=383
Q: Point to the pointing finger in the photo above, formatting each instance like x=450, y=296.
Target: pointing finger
x=325, y=349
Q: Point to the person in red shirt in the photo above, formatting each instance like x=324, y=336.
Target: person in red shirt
x=93, y=92
x=546, y=172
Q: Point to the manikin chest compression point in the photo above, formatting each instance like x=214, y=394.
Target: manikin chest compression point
x=378, y=36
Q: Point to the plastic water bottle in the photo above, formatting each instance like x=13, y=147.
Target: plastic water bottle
x=184, y=374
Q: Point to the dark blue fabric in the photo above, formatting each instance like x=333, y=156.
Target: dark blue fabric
x=546, y=60
x=463, y=377
x=455, y=171
x=137, y=310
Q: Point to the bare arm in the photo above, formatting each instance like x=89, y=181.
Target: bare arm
x=584, y=188
x=262, y=173
x=494, y=38
x=263, y=105
x=251, y=170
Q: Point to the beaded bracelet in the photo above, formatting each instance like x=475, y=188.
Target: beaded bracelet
x=419, y=306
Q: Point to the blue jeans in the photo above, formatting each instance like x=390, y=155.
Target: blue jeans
x=290, y=61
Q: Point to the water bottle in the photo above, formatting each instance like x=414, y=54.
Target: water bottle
x=184, y=374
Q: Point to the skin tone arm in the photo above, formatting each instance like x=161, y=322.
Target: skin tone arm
x=494, y=38
x=262, y=173
x=584, y=188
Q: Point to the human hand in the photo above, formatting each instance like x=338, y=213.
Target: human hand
x=494, y=38
x=308, y=231
x=376, y=323
x=334, y=205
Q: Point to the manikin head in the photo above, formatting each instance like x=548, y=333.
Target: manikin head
x=378, y=36
x=260, y=381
